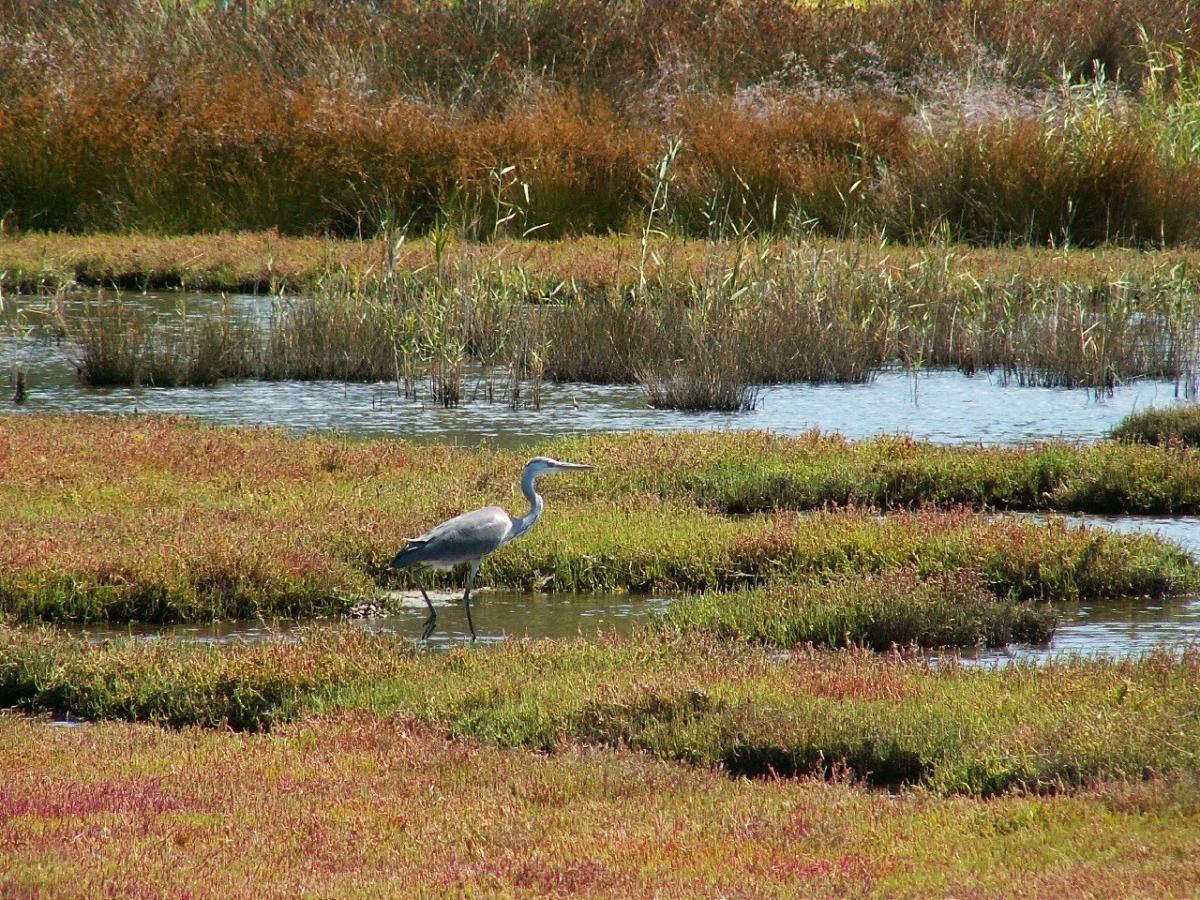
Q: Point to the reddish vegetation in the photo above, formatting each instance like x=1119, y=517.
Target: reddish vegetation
x=359, y=804
x=166, y=520
x=791, y=115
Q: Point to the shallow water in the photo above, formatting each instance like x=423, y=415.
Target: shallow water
x=1183, y=530
x=1114, y=630
x=939, y=406
x=498, y=616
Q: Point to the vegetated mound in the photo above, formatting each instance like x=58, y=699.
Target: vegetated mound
x=1170, y=425
x=885, y=719
x=166, y=520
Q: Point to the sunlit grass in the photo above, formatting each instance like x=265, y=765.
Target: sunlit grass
x=269, y=262
x=158, y=519
x=700, y=325
x=1177, y=426
x=361, y=804
x=694, y=699
x=880, y=612
x=996, y=122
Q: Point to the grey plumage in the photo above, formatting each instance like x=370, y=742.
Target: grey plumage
x=469, y=537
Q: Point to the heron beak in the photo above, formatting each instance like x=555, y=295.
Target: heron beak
x=567, y=465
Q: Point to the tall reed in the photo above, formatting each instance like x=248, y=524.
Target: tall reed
x=521, y=119
x=753, y=313
x=111, y=343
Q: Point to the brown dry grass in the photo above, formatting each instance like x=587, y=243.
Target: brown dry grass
x=498, y=120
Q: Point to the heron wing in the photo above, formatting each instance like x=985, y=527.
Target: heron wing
x=470, y=536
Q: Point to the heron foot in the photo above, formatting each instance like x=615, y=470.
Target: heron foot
x=430, y=623
x=432, y=620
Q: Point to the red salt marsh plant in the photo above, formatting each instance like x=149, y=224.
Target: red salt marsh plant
x=164, y=520
x=885, y=720
x=330, y=807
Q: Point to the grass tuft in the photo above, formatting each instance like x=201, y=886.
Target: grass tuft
x=1175, y=426
x=875, y=612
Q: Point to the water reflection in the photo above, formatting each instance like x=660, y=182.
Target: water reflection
x=499, y=616
x=1101, y=629
x=1113, y=630
x=1183, y=530
x=937, y=406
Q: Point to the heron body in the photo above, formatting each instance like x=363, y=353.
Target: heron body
x=470, y=537
x=464, y=538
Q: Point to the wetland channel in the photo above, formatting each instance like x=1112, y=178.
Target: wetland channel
x=940, y=406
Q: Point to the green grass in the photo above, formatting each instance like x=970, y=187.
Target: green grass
x=697, y=324
x=878, y=612
x=163, y=520
x=747, y=473
x=1177, y=426
x=694, y=699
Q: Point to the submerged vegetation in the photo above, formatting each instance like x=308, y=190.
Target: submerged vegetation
x=164, y=520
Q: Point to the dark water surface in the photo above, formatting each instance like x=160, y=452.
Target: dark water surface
x=1114, y=630
x=498, y=616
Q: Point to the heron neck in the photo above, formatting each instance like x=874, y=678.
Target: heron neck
x=529, y=489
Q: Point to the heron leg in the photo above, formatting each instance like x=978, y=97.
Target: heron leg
x=467, y=594
x=432, y=620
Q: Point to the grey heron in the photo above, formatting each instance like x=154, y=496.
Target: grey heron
x=470, y=537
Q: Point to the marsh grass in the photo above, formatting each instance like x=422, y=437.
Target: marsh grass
x=168, y=521
x=830, y=118
x=1170, y=426
x=700, y=358
x=316, y=339
x=98, y=797
x=705, y=334
x=704, y=381
x=900, y=609
x=111, y=343
x=884, y=720
x=757, y=473
x=270, y=263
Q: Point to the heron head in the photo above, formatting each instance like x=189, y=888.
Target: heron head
x=539, y=465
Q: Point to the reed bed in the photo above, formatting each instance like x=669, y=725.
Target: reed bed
x=89, y=811
x=502, y=119
x=751, y=313
x=163, y=520
x=111, y=344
